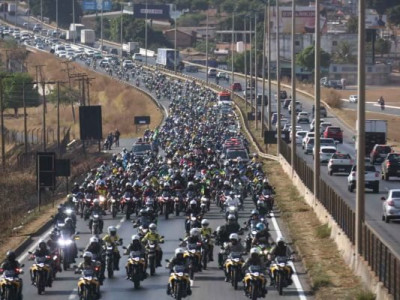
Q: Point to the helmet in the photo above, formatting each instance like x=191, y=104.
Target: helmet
x=260, y=226
x=153, y=227
x=68, y=220
x=142, y=212
x=179, y=251
x=42, y=245
x=136, y=183
x=112, y=230
x=128, y=184
x=194, y=232
x=226, y=182
x=88, y=254
x=254, y=212
x=190, y=183
x=94, y=239
x=280, y=241
x=70, y=197
x=11, y=255
x=234, y=236
x=205, y=223
x=193, y=202
x=255, y=251
x=60, y=207
x=176, y=182
x=135, y=237
x=166, y=184
x=231, y=217
x=96, y=202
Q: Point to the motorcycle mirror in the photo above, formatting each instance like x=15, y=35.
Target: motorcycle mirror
x=123, y=247
x=76, y=237
x=167, y=260
x=23, y=265
x=30, y=252
x=181, y=239
x=135, y=226
x=383, y=198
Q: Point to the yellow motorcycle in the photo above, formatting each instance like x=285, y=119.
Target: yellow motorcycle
x=233, y=266
x=136, y=268
x=179, y=282
x=11, y=284
x=88, y=284
x=281, y=273
x=41, y=273
x=193, y=254
x=254, y=283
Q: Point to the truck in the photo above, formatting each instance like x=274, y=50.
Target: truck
x=88, y=37
x=12, y=7
x=166, y=59
x=130, y=47
x=375, y=133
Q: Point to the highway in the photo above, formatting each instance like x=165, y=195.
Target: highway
x=207, y=285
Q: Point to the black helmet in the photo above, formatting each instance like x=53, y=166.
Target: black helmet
x=11, y=255
x=42, y=245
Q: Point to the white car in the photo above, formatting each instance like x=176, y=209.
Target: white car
x=371, y=178
x=302, y=117
x=127, y=63
x=353, y=98
x=62, y=54
x=313, y=124
x=137, y=57
x=309, y=134
x=298, y=107
x=300, y=136
x=325, y=153
x=340, y=163
x=391, y=206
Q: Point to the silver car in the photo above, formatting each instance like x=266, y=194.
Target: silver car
x=391, y=206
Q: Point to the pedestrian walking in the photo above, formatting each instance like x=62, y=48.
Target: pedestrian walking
x=116, y=137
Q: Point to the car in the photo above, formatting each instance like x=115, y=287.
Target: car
x=137, y=57
x=309, y=145
x=390, y=166
x=283, y=94
x=223, y=75
x=286, y=126
x=322, y=111
x=114, y=51
x=191, y=69
x=39, y=46
x=128, y=64
x=323, y=126
x=141, y=148
x=232, y=154
x=298, y=128
x=371, y=179
x=104, y=63
x=325, y=153
x=379, y=153
x=340, y=163
x=309, y=134
x=334, y=132
x=286, y=103
x=313, y=124
x=259, y=98
x=212, y=72
x=302, y=117
x=37, y=28
x=236, y=87
x=249, y=92
x=353, y=98
x=391, y=205
x=327, y=142
x=298, y=108
x=274, y=118
x=300, y=135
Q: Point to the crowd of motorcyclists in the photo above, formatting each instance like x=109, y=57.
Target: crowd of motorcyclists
x=183, y=175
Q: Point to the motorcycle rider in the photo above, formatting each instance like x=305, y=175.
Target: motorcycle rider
x=95, y=247
x=136, y=246
x=43, y=251
x=255, y=260
x=231, y=226
x=153, y=236
x=282, y=250
x=193, y=209
x=75, y=189
x=89, y=264
x=179, y=260
x=254, y=219
x=235, y=246
x=11, y=264
x=60, y=216
x=113, y=239
x=206, y=233
x=96, y=209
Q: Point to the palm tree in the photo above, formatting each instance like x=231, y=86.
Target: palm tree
x=344, y=54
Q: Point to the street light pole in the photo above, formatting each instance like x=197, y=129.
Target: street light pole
x=317, y=101
x=269, y=67
x=255, y=70
x=278, y=79
x=245, y=61
x=57, y=16
x=145, y=37
x=263, y=73
x=73, y=20
x=251, y=70
x=175, y=44
x=232, y=47
x=101, y=30
x=41, y=10
x=207, y=47
x=122, y=19
x=360, y=196
x=293, y=75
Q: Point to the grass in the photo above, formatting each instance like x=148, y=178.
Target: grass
x=323, y=231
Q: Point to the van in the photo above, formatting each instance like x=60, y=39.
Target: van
x=137, y=57
x=212, y=72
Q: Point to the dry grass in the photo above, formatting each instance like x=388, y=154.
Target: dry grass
x=332, y=98
x=330, y=276
x=120, y=102
x=390, y=93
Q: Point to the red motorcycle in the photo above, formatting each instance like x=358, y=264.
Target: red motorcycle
x=166, y=204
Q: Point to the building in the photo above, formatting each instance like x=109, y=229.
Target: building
x=184, y=39
x=377, y=74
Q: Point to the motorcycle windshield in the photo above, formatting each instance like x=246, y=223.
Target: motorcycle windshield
x=88, y=273
x=40, y=260
x=235, y=255
x=9, y=273
x=254, y=269
x=192, y=246
x=281, y=259
x=135, y=254
x=179, y=269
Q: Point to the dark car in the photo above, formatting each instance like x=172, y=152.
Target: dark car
x=259, y=98
x=322, y=111
x=287, y=103
x=391, y=166
x=379, y=153
x=114, y=51
x=140, y=149
x=283, y=94
x=191, y=69
x=236, y=86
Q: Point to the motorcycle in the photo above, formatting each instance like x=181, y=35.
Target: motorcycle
x=110, y=260
x=193, y=253
x=88, y=286
x=127, y=201
x=254, y=282
x=151, y=256
x=281, y=272
x=95, y=228
x=179, y=282
x=11, y=284
x=233, y=265
x=135, y=268
x=166, y=204
x=114, y=207
x=41, y=273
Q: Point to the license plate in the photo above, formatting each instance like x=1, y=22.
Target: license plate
x=341, y=169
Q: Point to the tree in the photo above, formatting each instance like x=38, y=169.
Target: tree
x=67, y=95
x=344, y=54
x=393, y=15
x=381, y=5
x=352, y=25
x=13, y=92
x=307, y=56
x=199, y=4
x=382, y=46
x=64, y=10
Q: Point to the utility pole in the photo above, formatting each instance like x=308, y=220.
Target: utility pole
x=3, y=143
x=122, y=18
x=269, y=67
x=16, y=11
x=278, y=79
x=317, y=101
x=175, y=64
x=73, y=19
x=251, y=71
x=245, y=61
x=58, y=118
x=25, y=120
x=41, y=10
x=101, y=21
x=207, y=47
x=263, y=73
x=232, y=48
x=57, y=15
x=293, y=139
x=255, y=70
x=145, y=37
x=360, y=183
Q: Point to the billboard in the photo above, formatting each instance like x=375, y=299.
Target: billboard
x=375, y=21
x=154, y=11
x=93, y=5
x=305, y=20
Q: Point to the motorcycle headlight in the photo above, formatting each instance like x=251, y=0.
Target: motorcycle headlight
x=68, y=211
x=192, y=251
x=64, y=242
x=281, y=265
x=255, y=274
x=180, y=274
x=136, y=258
x=236, y=259
x=102, y=198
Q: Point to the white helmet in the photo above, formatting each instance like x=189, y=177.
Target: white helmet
x=194, y=232
x=234, y=236
x=255, y=251
x=205, y=223
x=88, y=254
x=179, y=251
x=94, y=239
x=280, y=240
x=153, y=227
x=112, y=229
x=96, y=201
x=135, y=237
x=193, y=202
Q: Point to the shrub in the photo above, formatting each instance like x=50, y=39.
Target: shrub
x=332, y=98
x=323, y=231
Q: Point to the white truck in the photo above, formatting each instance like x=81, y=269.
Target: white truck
x=12, y=8
x=340, y=163
x=88, y=37
x=375, y=133
x=130, y=47
x=166, y=59
x=371, y=179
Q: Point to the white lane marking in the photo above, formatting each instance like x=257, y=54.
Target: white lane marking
x=295, y=278
x=74, y=294
x=375, y=104
x=34, y=246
